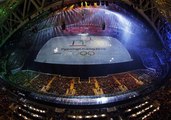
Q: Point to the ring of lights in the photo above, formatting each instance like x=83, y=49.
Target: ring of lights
x=87, y=53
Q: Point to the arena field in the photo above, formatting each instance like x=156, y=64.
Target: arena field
x=83, y=50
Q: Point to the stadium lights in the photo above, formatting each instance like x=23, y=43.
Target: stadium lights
x=25, y=118
x=128, y=110
x=88, y=116
x=145, y=116
x=95, y=4
x=71, y=7
x=80, y=117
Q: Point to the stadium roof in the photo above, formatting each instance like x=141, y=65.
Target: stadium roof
x=6, y=6
x=165, y=7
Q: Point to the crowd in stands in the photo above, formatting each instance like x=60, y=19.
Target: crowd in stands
x=126, y=80
x=132, y=110
x=59, y=85
x=146, y=76
x=163, y=95
x=108, y=84
x=74, y=86
x=84, y=88
x=38, y=82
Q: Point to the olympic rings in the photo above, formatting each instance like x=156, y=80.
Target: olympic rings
x=87, y=53
x=91, y=53
x=83, y=53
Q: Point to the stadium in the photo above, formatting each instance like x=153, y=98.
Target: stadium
x=82, y=59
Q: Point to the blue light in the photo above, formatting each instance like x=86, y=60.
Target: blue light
x=169, y=35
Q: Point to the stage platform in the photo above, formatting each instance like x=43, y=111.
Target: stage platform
x=83, y=50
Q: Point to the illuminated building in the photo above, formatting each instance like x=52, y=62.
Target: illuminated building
x=83, y=60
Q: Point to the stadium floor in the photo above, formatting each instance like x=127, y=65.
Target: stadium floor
x=82, y=50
